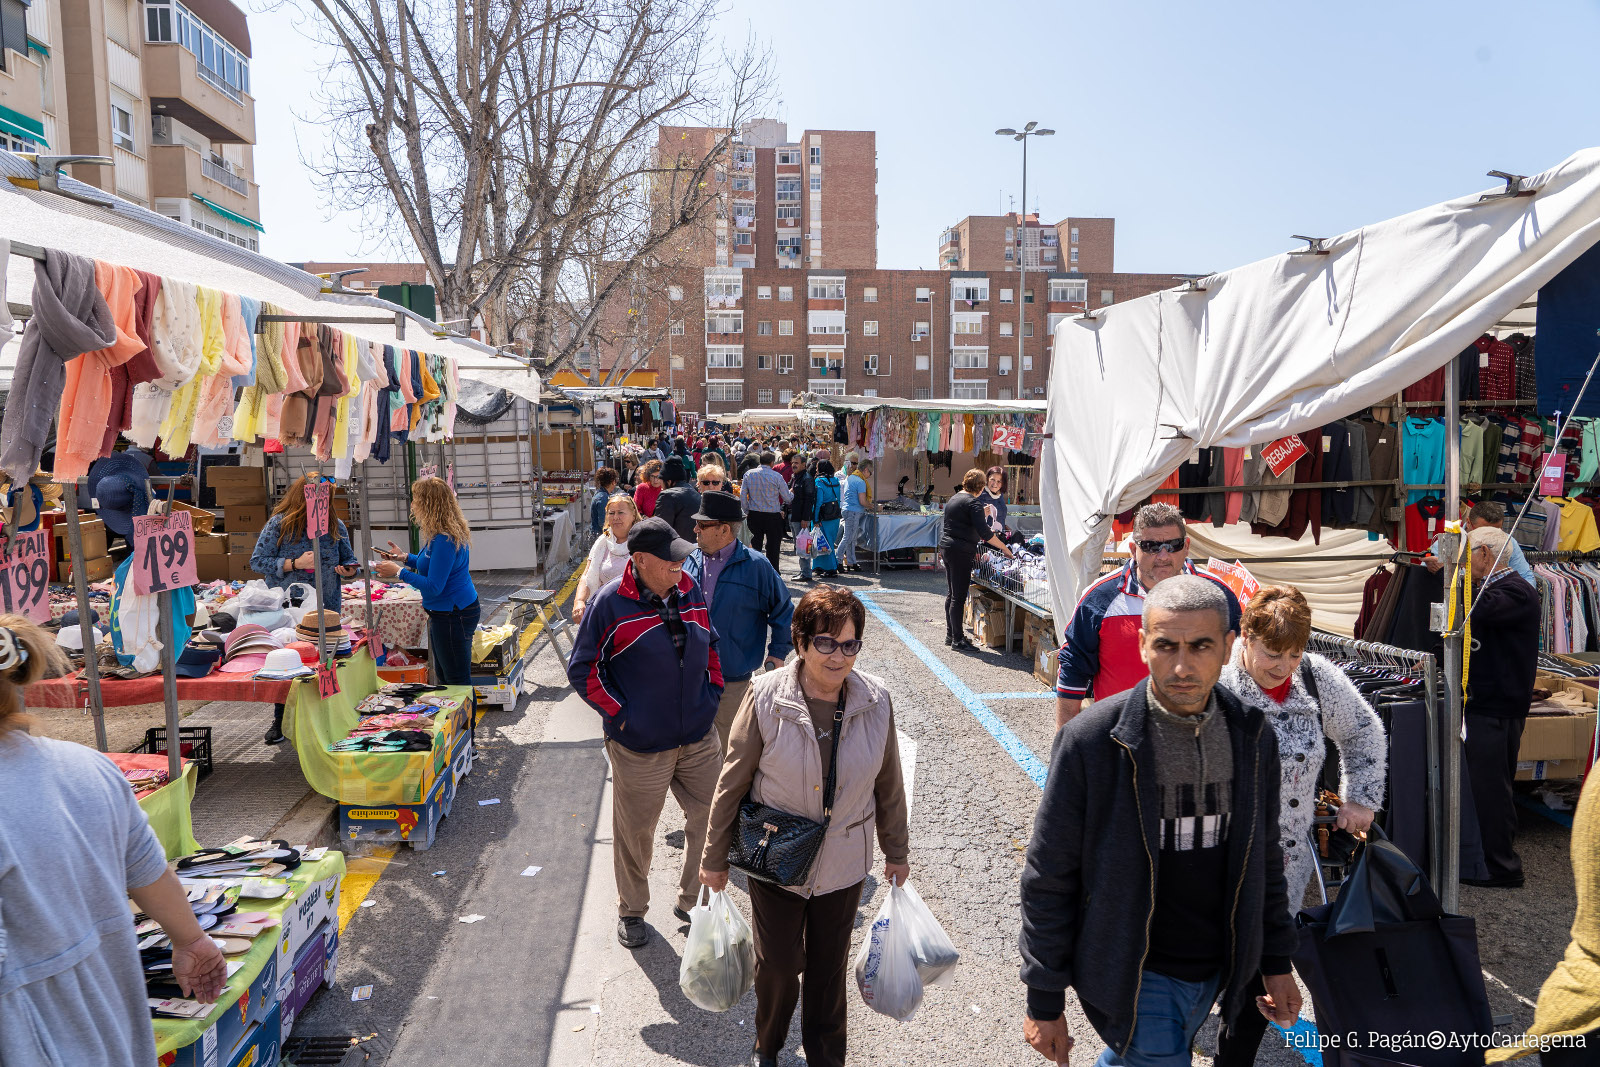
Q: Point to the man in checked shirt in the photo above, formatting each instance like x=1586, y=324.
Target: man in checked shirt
x=764, y=493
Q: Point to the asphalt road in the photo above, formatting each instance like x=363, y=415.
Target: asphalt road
x=541, y=979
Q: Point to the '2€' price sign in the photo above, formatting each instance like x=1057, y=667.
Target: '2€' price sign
x=318, y=498
x=1008, y=437
x=163, y=553
x=25, y=575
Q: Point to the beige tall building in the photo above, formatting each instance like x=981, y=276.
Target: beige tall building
x=161, y=87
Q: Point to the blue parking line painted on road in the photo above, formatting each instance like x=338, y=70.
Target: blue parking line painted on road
x=1304, y=1039
x=1031, y=765
x=1039, y=694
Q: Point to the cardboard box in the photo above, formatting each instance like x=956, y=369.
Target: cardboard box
x=239, y=568
x=240, y=494
x=236, y=1028
x=262, y=1044
x=98, y=569
x=218, y=474
x=1046, y=664
x=1547, y=738
x=297, y=985
x=241, y=518
x=989, y=624
x=202, y=520
x=92, y=530
x=210, y=544
x=242, y=543
x=317, y=904
x=1549, y=770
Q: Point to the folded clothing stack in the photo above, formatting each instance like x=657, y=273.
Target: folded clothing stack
x=144, y=779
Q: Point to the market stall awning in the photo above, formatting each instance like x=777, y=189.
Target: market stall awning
x=20, y=125
x=775, y=416
x=1286, y=344
x=231, y=216
x=952, y=407
x=501, y=373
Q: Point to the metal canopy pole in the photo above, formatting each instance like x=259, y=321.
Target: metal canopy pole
x=368, y=552
x=80, y=588
x=538, y=491
x=1447, y=814
x=169, y=656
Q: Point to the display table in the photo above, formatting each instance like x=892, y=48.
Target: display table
x=400, y=623
x=881, y=531
x=1013, y=602
x=312, y=897
x=167, y=808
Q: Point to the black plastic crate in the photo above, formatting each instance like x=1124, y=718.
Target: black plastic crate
x=194, y=743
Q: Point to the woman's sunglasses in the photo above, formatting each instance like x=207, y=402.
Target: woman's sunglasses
x=829, y=645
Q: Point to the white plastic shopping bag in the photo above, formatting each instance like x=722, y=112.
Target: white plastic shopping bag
x=302, y=601
x=886, y=966
x=719, y=960
x=935, y=953
x=818, y=546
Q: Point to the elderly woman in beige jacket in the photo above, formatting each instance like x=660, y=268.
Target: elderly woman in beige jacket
x=777, y=751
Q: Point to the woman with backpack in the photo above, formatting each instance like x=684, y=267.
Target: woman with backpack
x=826, y=515
x=1308, y=701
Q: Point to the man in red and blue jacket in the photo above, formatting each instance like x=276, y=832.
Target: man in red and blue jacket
x=646, y=659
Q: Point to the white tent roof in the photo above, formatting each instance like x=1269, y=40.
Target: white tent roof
x=775, y=416
x=831, y=402
x=1286, y=344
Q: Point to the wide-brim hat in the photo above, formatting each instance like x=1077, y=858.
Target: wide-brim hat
x=242, y=634
x=283, y=663
x=196, y=660
x=19, y=507
x=246, y=663
x=116, y=485
x=71, y=637
x=719, y=506
x=267, y=620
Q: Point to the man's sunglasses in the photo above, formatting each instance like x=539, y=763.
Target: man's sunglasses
x=829, y=645
x=1156, y=547
x=704, y=524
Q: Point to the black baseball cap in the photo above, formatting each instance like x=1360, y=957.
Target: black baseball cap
x=719, y=506
x=657, y=537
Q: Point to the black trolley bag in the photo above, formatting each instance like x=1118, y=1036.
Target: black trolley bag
x=1388, y=970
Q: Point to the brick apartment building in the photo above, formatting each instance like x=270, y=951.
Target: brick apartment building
x=999, y=242
x=758, y=337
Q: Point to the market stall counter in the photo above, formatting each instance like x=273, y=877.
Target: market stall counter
x=167, y=804
x=393, y=772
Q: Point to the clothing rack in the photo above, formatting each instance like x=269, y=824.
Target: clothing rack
x=1567, y=556
x=1444, y=811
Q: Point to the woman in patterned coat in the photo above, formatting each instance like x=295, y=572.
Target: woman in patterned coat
x=1270, y=671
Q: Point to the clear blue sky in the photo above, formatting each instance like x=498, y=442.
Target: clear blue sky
x=1211, y=132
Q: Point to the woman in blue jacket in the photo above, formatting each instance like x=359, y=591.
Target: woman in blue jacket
x=826, y=515
x=440, y=572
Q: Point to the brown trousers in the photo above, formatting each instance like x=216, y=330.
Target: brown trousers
x=727, y=707
x=639, y=785
x=798, y=935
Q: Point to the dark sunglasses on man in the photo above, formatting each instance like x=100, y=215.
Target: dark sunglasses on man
x=1154, y=548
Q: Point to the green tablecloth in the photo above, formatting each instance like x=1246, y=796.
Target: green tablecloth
x=176, y=1033
x=362, y=777
x=168, y=811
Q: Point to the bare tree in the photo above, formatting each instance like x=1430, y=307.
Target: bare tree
x=513, y=141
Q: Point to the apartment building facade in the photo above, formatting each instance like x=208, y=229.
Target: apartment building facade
x=1001, y=242
x=810, y=203
x=161, y=87
x=758, y=337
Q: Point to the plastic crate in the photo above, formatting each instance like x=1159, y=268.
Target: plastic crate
x=194, y=744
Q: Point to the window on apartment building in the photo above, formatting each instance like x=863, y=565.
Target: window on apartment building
x=722, y=174
x=969, y=358
x=970, y=291
x=763, y=361
x=919, y=331
x=1050, y=255
x=1106, y=297
x=1009, y=255
x=167, y=23
x=1005, y=394
x=788, y=157
x=869, y=295
x=1027, y=362
x=1011, y=233
x=724, y=288
x=964, y=324
x=816, y=155
x=727, y=322
x=680, y=397
x=764, y=328
x=788, y=211
x=1027, y=329
x=674, y=292
x=870, y=364
x=869, y=328
x=1006, y=297
x=677, y=361
x=744, y=154
x=725, y=392
x=677, y=327
x=1055, y=320
x=785, y=395
x=788, y=190
x=1074, y=235
x=969, y=390
x=724, y=356
x=744, y=239
x=1003, y=365
x=786, y=363
x=788, y=247
x=1068, y=292
x=826, y=360
x=827, y=386
x=1027, y=296
x=763, y=396
x=826, y=289
x=869, y=392
x=785, y=327
x=744, y=183
x=923, y=393
x=1073, y=258
x=785, y=292
x=1008, y=329
x=924, y=294
x=158, y=23
x=922, y=364
x=816, y=183
x=824, y=322
x=122, y=127
x=763, y=292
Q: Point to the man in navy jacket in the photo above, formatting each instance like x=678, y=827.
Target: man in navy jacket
x=747, y=599
x=646, y=660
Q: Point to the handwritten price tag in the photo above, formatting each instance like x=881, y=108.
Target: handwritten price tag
x=327, y=681
x=318, y=498
x=25, y=576
x=163, y=553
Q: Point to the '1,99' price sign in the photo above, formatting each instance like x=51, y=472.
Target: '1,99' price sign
x=317, y=500
x=25, y=575
x=163, y=553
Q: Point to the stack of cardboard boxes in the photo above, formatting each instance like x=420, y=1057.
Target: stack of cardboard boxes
x=1557, y=747
x=241, y=492
x=98, y=566
x=566, y=450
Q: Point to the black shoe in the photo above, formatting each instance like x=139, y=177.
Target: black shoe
x=1510, y=881
x=948, y=641
x=961, y=644
x=760, y=1059
x=632, y=931
x=274, y=735
x=682, y=915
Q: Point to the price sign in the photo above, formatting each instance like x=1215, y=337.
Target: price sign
x=25, y=575
x=317, y=501
x=163, y=552
x=1236, y=578
x=1008, y=437
x=1553, y=474
x=327, y=681
x=428, y=470
x=1283, y=453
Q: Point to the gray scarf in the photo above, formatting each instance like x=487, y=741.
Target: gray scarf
x=70, y=317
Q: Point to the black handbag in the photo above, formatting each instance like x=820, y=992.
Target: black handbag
x=777, y=846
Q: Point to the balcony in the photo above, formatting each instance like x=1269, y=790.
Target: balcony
x=179, y=86
x=178, y=171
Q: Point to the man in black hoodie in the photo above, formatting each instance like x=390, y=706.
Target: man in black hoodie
x=1505, y=659
x=1154, y=881
x=679, y=500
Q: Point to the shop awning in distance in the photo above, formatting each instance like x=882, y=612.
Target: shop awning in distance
x=942, y=407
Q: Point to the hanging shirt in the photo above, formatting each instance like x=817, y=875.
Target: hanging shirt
x=1578, y=531
x=1424, y=448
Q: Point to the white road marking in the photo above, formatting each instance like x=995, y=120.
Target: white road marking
x=908, y=761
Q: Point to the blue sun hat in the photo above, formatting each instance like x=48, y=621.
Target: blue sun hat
x=117, y=491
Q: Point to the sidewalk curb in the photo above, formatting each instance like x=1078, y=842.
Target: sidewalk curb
x=313, y=821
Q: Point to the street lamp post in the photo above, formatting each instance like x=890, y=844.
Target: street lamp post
x=1022, y=242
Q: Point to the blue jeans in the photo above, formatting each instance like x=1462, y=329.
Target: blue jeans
x=805, y=560
x=847, y=547
x=1170, y=1014
x=450, y=643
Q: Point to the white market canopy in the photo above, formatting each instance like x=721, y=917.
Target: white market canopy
x=1284, y=345
x=862, y=404
x=126, y=234
x=778, y=416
